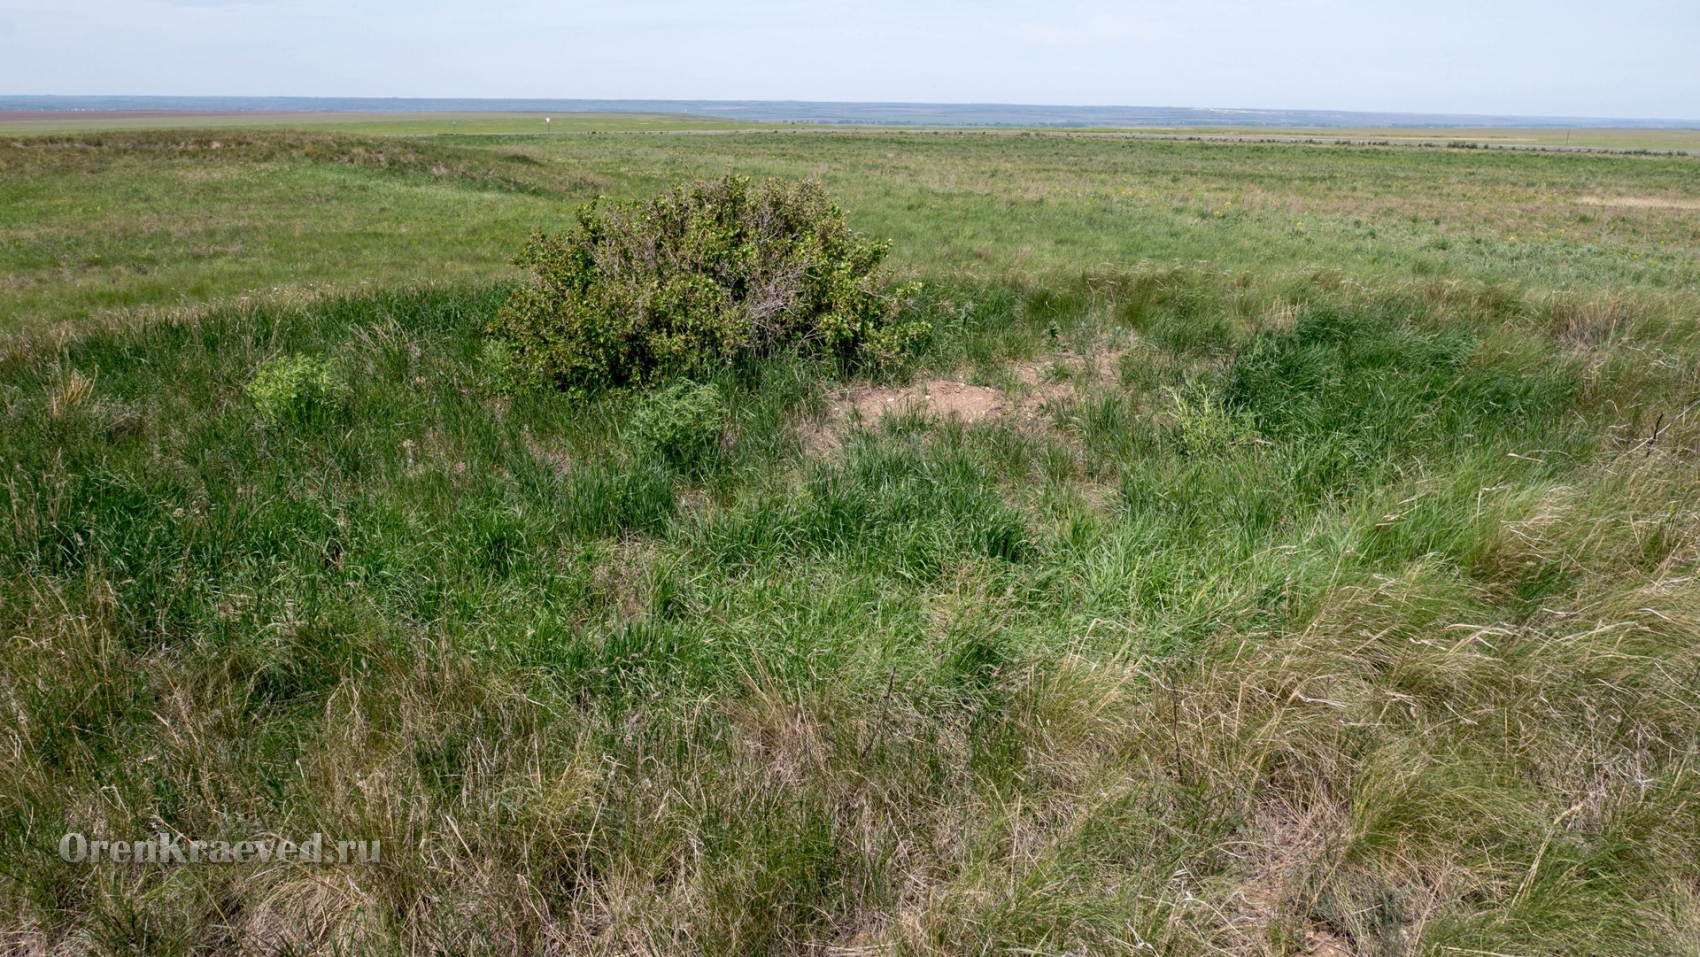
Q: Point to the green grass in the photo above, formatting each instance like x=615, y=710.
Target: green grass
x=158, y=220
x=1577, y=138
x=1297, y=599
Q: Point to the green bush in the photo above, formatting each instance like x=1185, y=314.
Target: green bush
x=680, y=424
x=698, y=279
x=295, y=389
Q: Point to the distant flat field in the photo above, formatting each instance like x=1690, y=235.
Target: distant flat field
x=425, y=124
x=1592, y=138
x=393, y=124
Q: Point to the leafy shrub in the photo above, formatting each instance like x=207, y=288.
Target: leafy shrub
x=697, y=279
x=295, y=389
x=680, y=424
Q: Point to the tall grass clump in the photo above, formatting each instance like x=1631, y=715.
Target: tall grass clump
x=699, y=279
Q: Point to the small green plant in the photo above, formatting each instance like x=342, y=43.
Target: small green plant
x=680, y=424
x=1203, y=424
x=698, y=279
x=295, y=388
x=496, y=369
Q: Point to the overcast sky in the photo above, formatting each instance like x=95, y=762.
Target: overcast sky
x=1620, y=58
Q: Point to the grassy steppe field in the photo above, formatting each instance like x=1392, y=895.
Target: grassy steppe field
x=1546, y=137
x=1275, y=549
x=110, y=221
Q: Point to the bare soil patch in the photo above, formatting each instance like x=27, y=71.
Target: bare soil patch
x=942, y=397
x=1639, y=202
x=868, y=405
x=1031, y=386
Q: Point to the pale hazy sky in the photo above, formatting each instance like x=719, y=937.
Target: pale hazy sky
x=1622, y=58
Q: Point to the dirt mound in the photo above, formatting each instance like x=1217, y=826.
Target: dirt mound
x=867, y=406
x=1030, y=386
x=941, y=397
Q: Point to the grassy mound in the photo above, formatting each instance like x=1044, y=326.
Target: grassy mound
x=1368, y=626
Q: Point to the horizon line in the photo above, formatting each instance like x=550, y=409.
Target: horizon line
x=836, y=112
